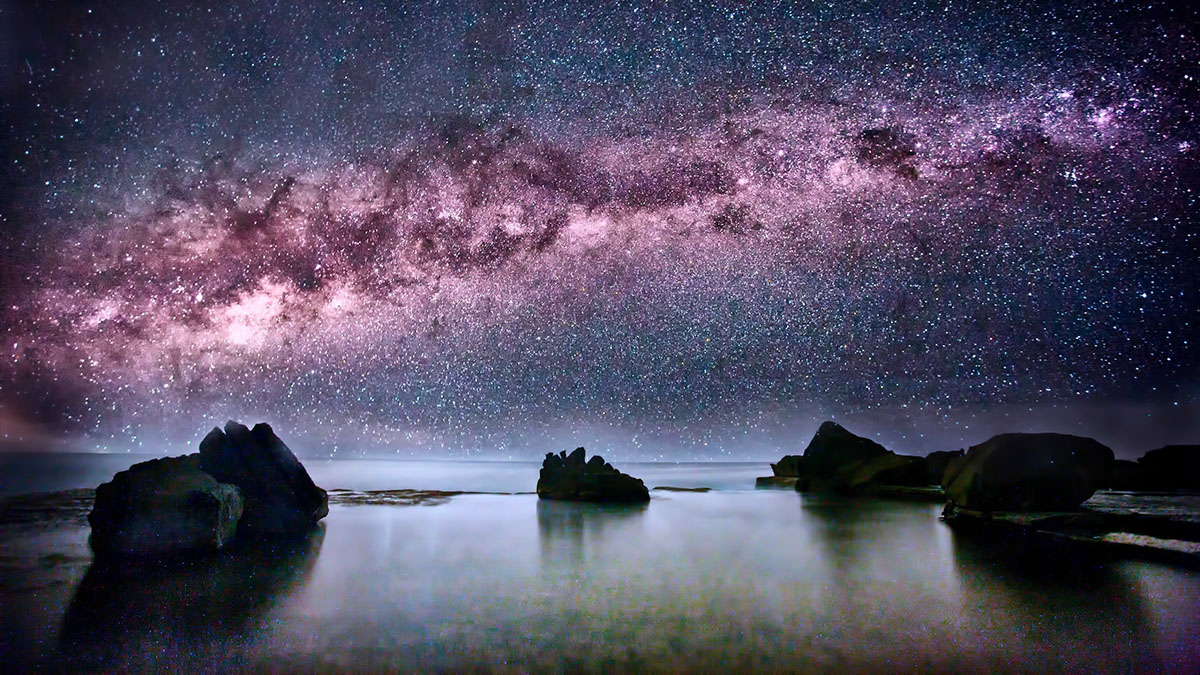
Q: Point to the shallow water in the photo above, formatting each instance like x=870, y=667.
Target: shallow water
x=724, y=580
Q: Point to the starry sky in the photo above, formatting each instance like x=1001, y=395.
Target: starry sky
x=664, y=230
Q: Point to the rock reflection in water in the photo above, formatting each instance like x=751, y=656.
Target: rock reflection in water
x=568, y=530
x=1057, y=600
x=123, y=614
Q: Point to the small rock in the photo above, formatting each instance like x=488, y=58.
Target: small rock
x=787, y=482
x=790, y=466
x=569, y=477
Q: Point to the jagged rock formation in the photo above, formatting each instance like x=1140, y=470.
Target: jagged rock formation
x=280, y=496
x=569, y=477
x=242, y=482
x=163, y=507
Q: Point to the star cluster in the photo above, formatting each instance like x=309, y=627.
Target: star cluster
x=674, y=230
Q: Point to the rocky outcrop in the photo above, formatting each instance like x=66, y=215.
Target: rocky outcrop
x=163, y=507
x=1172, y=467
x=889, y=469
x=1027, y=472
x=833, y=449
x=780, y=482
x=837, y=460
x=280, y=497
x=790, y=466
x=937, y=462
x=1126, y=476
x=570, y=477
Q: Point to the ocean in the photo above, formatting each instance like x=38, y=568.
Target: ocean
x=734, y=579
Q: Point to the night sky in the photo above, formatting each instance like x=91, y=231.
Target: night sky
x=678, y=230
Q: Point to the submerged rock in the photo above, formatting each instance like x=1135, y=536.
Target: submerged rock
x=280, y=497
x=569, y=477
x=1028, y=472
x=163, y=507
x=786, y=482
x=1172, y=467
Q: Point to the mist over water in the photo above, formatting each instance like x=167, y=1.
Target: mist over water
x=31, y=473
x=729, y=579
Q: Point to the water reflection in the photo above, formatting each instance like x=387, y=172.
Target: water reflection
x=1053, y=597
x=123, y=609
x=567, y=530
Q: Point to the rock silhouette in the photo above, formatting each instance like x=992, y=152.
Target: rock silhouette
x=570, y=477
x=790, y=466
x=1028, y=472
x=889, y=469
x=163, y=507
x=937, y=463
x=833, y=448
x=280, y=497
x=1172, y=467
x=837, y=460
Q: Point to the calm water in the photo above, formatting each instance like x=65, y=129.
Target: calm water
x=22, y=473
x=732, y=579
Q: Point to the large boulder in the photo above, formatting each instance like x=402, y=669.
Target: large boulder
x=1173, y=467
x=791, y=466
x=570, y=477
x=163, y=507
x=280, y=497
x=1028, y=472
x=937, y=463
x=833, y=448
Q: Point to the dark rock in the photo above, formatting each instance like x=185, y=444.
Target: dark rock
x=937, y=463
x=568, y=477
x=832, y=448
x=1127, y=476
x=163, y=507
x=1027, y=472
x=1172, y=467
x=839, y=461
x=280, y=498
x=833, y=454
x=889, y=469
x=791, y=466
x=788, y=482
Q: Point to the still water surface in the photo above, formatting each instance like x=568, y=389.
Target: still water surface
x=732, y=579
